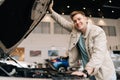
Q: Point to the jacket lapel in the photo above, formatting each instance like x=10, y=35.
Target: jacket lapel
x=87, y=38
x=74, y=38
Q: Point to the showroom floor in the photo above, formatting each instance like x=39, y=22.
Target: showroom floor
x=14, y=78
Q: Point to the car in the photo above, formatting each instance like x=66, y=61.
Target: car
x=60, y=63
x=18, y=19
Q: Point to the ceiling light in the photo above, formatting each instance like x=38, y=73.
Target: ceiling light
x=90, y=15
x=113, y=11
x=68, y=6
x=98, y=9
x=102, y=16
x=47, y=11
x=110, y=1
x=84, y=8
x=63, y=13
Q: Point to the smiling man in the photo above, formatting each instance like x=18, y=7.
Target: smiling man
x=87, y=43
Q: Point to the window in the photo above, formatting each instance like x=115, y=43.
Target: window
x=59, y=30
x=43, y=27
x=105, y=28
x=111, y=31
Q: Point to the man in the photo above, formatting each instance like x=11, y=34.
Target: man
x=87, y=42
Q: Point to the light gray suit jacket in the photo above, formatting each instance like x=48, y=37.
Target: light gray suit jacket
x=96, y=46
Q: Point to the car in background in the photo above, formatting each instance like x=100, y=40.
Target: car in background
x=60, y=63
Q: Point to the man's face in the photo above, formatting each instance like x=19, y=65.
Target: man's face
x=80, y=21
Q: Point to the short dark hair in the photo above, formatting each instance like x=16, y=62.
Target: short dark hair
x=76, y=12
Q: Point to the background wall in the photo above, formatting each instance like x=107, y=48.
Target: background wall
x=45, y=42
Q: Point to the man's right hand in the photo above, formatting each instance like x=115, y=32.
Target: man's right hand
x=79, y=73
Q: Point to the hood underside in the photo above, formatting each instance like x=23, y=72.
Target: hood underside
x=17, y=19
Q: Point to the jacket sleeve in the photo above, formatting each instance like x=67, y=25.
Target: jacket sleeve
x=62, y=21
x=98, y=50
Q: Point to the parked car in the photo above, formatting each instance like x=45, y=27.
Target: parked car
x=60, y=63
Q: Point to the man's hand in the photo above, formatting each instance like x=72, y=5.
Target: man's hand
x=85, y=73
x=79, y=73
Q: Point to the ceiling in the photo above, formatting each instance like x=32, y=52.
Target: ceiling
x=92, y=8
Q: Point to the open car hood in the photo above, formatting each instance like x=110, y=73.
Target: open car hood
x=17, y=19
